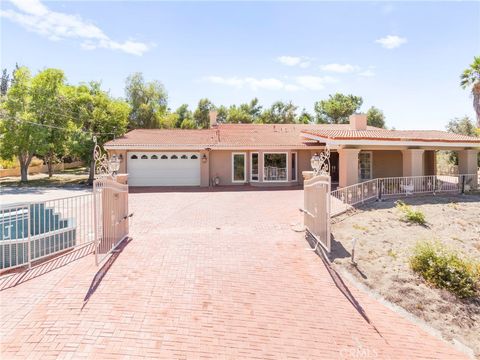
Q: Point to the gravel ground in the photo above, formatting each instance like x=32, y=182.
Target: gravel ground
x=385, y=243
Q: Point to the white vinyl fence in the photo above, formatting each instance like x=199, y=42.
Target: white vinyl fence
x=345, y=198
x=37, y=230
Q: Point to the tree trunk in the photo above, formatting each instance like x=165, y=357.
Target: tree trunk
x=49, y=165
x=91, y=174
x=476, y=102
x=24, y=164
x=23, y=172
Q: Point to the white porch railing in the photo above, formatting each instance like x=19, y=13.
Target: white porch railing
x=37, y=230
x=272, y=173
x=345, y=198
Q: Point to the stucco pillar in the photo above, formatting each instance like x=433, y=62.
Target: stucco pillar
x=413, y=162
x=467, y=161
x=204, y=168
x=260, y=166
x=348, y=167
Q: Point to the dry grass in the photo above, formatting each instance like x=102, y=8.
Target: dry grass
x=77, y=176
x=385, y=244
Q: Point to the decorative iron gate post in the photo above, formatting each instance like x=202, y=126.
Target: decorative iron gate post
x=110, y=205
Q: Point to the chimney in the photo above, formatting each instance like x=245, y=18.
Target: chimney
x=358, y=121
x=213, y=118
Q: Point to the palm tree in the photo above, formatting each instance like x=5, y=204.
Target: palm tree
x=471, y=78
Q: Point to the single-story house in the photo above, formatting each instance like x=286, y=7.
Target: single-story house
x=277, y=154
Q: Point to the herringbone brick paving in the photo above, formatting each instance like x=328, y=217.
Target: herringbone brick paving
x=216, y=275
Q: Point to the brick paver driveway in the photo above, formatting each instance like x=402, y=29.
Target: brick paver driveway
x=207, y=275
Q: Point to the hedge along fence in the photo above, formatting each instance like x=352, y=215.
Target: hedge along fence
x=40, y=169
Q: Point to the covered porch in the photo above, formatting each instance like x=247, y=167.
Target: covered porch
x=354, y=165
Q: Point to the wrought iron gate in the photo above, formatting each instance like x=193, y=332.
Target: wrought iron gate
x=111, y=216
x=110, y=206
x=317, y=209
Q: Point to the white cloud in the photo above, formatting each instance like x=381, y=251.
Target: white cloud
x=252, y=83
x=391, y=41
x=300, y=61
x=289, y=60
x=36, y=17
x=340, y=68
x=311, y=82
x=367, y=73
x=307, y=82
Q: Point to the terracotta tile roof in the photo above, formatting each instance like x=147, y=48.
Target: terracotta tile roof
x=265, y=135
x=166, y=137
x=392, y=135
x=224, y=136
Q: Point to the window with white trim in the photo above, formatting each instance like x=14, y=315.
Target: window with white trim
x=254, y=167
x=275, y=167
x=365, y=165
x=294, y=166
x=238, y=167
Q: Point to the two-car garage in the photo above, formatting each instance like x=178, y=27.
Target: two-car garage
x=163, y=168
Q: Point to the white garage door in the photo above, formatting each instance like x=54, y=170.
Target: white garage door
x=163, y=169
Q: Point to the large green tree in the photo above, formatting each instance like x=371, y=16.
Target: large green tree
x=470, y=78
x=244, y=113
x=148, y=101
x=184, y=114
x=463, y=125
x=279, y=113
x=337, y=108
x=305, y=117
x=375, y=117
x=49, y=107
x=20, y=133
x=96, y=114
x=222, y=114
x=201, y=114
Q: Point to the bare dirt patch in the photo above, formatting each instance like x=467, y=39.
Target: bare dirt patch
x=385, y=243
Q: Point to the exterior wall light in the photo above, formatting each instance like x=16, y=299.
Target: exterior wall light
x=204, y=158
x=114, y=164
x=315, y=163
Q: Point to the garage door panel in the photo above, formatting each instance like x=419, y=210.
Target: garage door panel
x=164, y=171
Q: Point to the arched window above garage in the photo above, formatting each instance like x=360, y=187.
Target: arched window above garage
x=134, y=157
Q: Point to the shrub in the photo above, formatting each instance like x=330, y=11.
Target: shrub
x=446, y=269
x=8, y=163
x=13, y=163
x=409, y=214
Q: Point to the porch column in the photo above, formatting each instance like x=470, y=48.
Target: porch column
x=348, y=167
x=205, y=168
x=413, y=162
x=467, y=161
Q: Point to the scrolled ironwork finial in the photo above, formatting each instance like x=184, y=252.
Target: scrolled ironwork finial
x=101, y=163
x=321, y=163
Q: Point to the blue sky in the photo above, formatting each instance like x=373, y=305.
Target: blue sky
x=404, y=58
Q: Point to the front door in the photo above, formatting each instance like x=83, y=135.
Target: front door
x=334, y=166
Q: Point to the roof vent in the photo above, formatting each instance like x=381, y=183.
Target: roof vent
x=358, y=121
